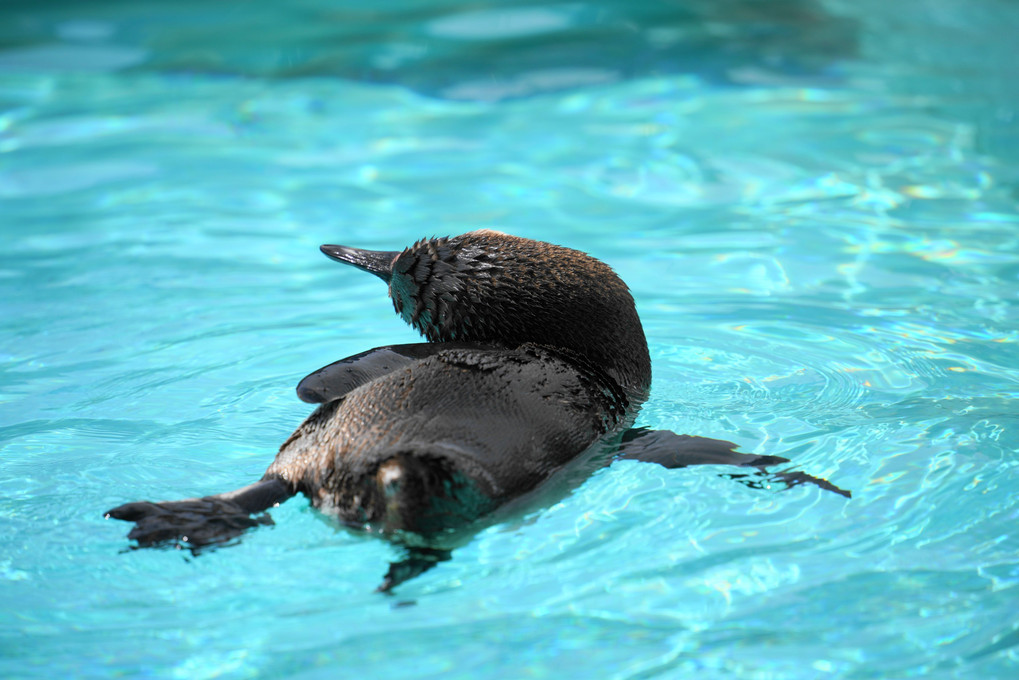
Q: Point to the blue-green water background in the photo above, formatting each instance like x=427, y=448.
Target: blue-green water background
x=813, y=202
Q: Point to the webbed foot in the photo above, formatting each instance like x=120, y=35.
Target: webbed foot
x=195, y=523
x=672, y=451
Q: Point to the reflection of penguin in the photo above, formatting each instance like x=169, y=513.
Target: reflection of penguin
x=536, y=359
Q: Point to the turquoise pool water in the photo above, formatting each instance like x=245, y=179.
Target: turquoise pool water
x=813, y=202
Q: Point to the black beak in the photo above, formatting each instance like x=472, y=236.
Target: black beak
x=377, y=262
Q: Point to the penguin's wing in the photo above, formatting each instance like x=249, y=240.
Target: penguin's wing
x=335, y=380
x=672, y=451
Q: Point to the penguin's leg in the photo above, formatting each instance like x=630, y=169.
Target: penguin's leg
x=417, y=562
x=198, y=522
x=672, y=451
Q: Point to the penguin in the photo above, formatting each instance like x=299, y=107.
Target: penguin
x=534, y=370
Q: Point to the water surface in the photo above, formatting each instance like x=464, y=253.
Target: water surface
x=814, y=205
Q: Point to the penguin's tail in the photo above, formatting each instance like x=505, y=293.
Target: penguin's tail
x=196, y=523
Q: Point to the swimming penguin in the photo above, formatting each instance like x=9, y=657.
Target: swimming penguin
x=535, y=367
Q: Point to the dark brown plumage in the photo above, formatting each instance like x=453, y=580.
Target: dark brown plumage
x=536, y=353
x=490, y=287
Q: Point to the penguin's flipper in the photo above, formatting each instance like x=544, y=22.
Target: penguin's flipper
x=672, y=451
x=335, y=380
x=195, y=523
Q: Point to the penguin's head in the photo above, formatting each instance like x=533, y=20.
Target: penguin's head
x=489, y=287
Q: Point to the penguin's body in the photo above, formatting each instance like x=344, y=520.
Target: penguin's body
x=536, y=360
x=444, y=440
